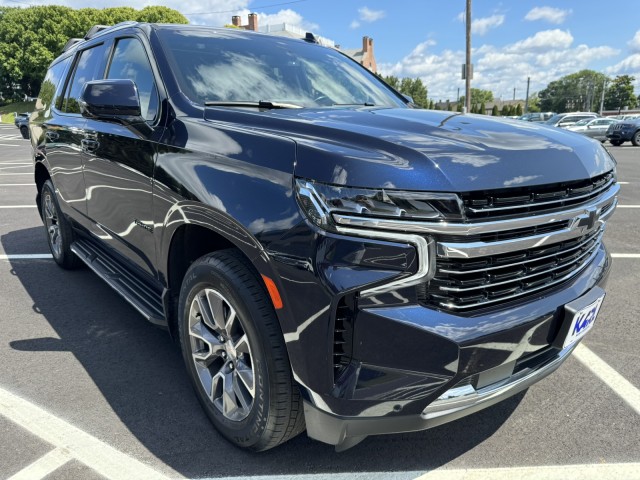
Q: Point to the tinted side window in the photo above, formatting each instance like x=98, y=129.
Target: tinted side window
x=131, y=62
x=88, y=67
x=50, y=93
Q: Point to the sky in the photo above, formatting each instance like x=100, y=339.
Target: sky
x=511, y=40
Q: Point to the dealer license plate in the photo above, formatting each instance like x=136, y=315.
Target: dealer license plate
x=582, y=322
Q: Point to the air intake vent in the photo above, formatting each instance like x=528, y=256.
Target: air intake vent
x=342, y=338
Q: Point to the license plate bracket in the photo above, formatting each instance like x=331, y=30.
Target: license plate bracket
x=579, y=317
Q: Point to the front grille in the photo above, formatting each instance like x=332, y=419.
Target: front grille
x=537, y=199
x=465, y=284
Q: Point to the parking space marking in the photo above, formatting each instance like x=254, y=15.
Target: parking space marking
x=29, y=256
x=18, y=206
x=16, y=184
x=626, y=471
x=11, y=174
x=620, y=385
x=623, y=183
x=44, y=465
x=8, y=145
x=97, y=455
x=625, y=255
x=628, y=206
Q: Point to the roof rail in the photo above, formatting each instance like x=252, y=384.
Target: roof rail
x=93, y=31
x=70, y=43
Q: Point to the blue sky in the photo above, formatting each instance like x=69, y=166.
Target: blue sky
x=512, y=39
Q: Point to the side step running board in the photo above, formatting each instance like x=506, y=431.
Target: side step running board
x=140, y=296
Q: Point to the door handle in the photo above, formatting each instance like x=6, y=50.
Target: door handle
x=89, y=146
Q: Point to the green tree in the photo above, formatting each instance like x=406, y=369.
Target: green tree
x=483, y=108
x=431, y=104
x=392, y=81
x=30, y=38
x=505, y=110
x=416, y=90
x=620, y=93
x=534, y=103
x=494, y=111
x=577, y=91
x=478, y=96
x=518, y=110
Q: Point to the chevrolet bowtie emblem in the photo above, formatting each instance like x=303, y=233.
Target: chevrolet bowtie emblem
x=588, y=219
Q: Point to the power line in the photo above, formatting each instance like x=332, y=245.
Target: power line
x=253, y=8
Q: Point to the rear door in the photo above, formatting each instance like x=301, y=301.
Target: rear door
x=63, y=132
x=119, y=163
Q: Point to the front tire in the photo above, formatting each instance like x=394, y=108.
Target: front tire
x=636, y=139
x=235, y=354
x=59, y=231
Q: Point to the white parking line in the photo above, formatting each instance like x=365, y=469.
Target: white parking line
x=8, y=145
x=623, y=183
x=625, y=255
x=44, y=465
x=94, y=453
x=620, y=385
x=18, y=206
x=30, y=256
x=11, y=174
x=628, y=206
x=17, y=184
x=626, y=471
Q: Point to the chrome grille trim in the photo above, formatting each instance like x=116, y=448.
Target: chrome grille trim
x=460, y=308
x=524, y=277
x=466, y=229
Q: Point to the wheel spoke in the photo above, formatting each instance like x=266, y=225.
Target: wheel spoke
x=229, y=399
x=216, y=306
x=242, y=394
x=245, y=374
x=242, y=345
x=48, y=208
x=205, y=311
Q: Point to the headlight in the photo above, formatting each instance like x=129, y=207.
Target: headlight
x=328, y=205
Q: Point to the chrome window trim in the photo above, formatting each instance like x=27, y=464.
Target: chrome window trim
x=466, y=229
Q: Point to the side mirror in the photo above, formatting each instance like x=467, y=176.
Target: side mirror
x=111, y=100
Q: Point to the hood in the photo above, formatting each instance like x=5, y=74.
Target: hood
x=414, y=149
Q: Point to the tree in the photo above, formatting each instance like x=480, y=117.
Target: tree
x=620, y=93
x=393, y=81
x=483, y=108
x=518, y=110
x=494, y=111
x=478, y=96
x=30, y=38
x=431, y=104
x=505, y=110
x=416, y=90
x=577, y=91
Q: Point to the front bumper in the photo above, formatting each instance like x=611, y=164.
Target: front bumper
x=456, y=403
x=432, y=367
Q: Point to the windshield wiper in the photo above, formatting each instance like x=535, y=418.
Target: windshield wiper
x=365, y=104
x=259, y=104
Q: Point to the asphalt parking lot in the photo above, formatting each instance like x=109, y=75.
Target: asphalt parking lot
x=88, y=389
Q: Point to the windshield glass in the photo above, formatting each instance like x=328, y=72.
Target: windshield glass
x=225, y=66
x=555, y=119
x=582, y=122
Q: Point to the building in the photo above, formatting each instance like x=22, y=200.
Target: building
x=365, y=56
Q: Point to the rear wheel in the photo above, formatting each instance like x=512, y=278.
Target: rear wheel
x=59, y=231
x=235, y=353
x=24, y=131
x=636, y=139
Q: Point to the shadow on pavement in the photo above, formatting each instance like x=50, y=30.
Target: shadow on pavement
x=139, y=372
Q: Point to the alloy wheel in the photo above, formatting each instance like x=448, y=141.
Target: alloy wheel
x=221, y=353
x=51, y=223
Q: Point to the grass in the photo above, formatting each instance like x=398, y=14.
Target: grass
x=7, y=111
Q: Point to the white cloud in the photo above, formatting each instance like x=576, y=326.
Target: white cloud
x=289, y=17
x=543, y=41
x=549, y=14
x=634, y=43
x=629, y=65
x=480, y=26
x=368, y=15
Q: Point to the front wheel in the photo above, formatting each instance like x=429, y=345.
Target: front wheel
x=59, y=231
x=235, y=354
x=636, y=139
x=24, y=131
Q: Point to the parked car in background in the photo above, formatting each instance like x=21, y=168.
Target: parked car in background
x=564, y=120
x=21, y=121
x=593, y=127
x=324, y=254
x=630, y=116
x=624, y=131
x=536, y=116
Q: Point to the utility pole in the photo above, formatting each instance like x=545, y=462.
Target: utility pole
x=514, y=94
x=604, y=87
x=526, y=102
x=467, y=77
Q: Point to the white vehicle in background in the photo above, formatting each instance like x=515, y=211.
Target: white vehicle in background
x=593, y=127
x=564, y=120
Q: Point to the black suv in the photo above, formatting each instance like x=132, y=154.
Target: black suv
x=324, y=253
x=624, y=131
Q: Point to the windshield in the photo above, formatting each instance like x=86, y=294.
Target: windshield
x=555, y=119
x=225, y=66
x=582, y=122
